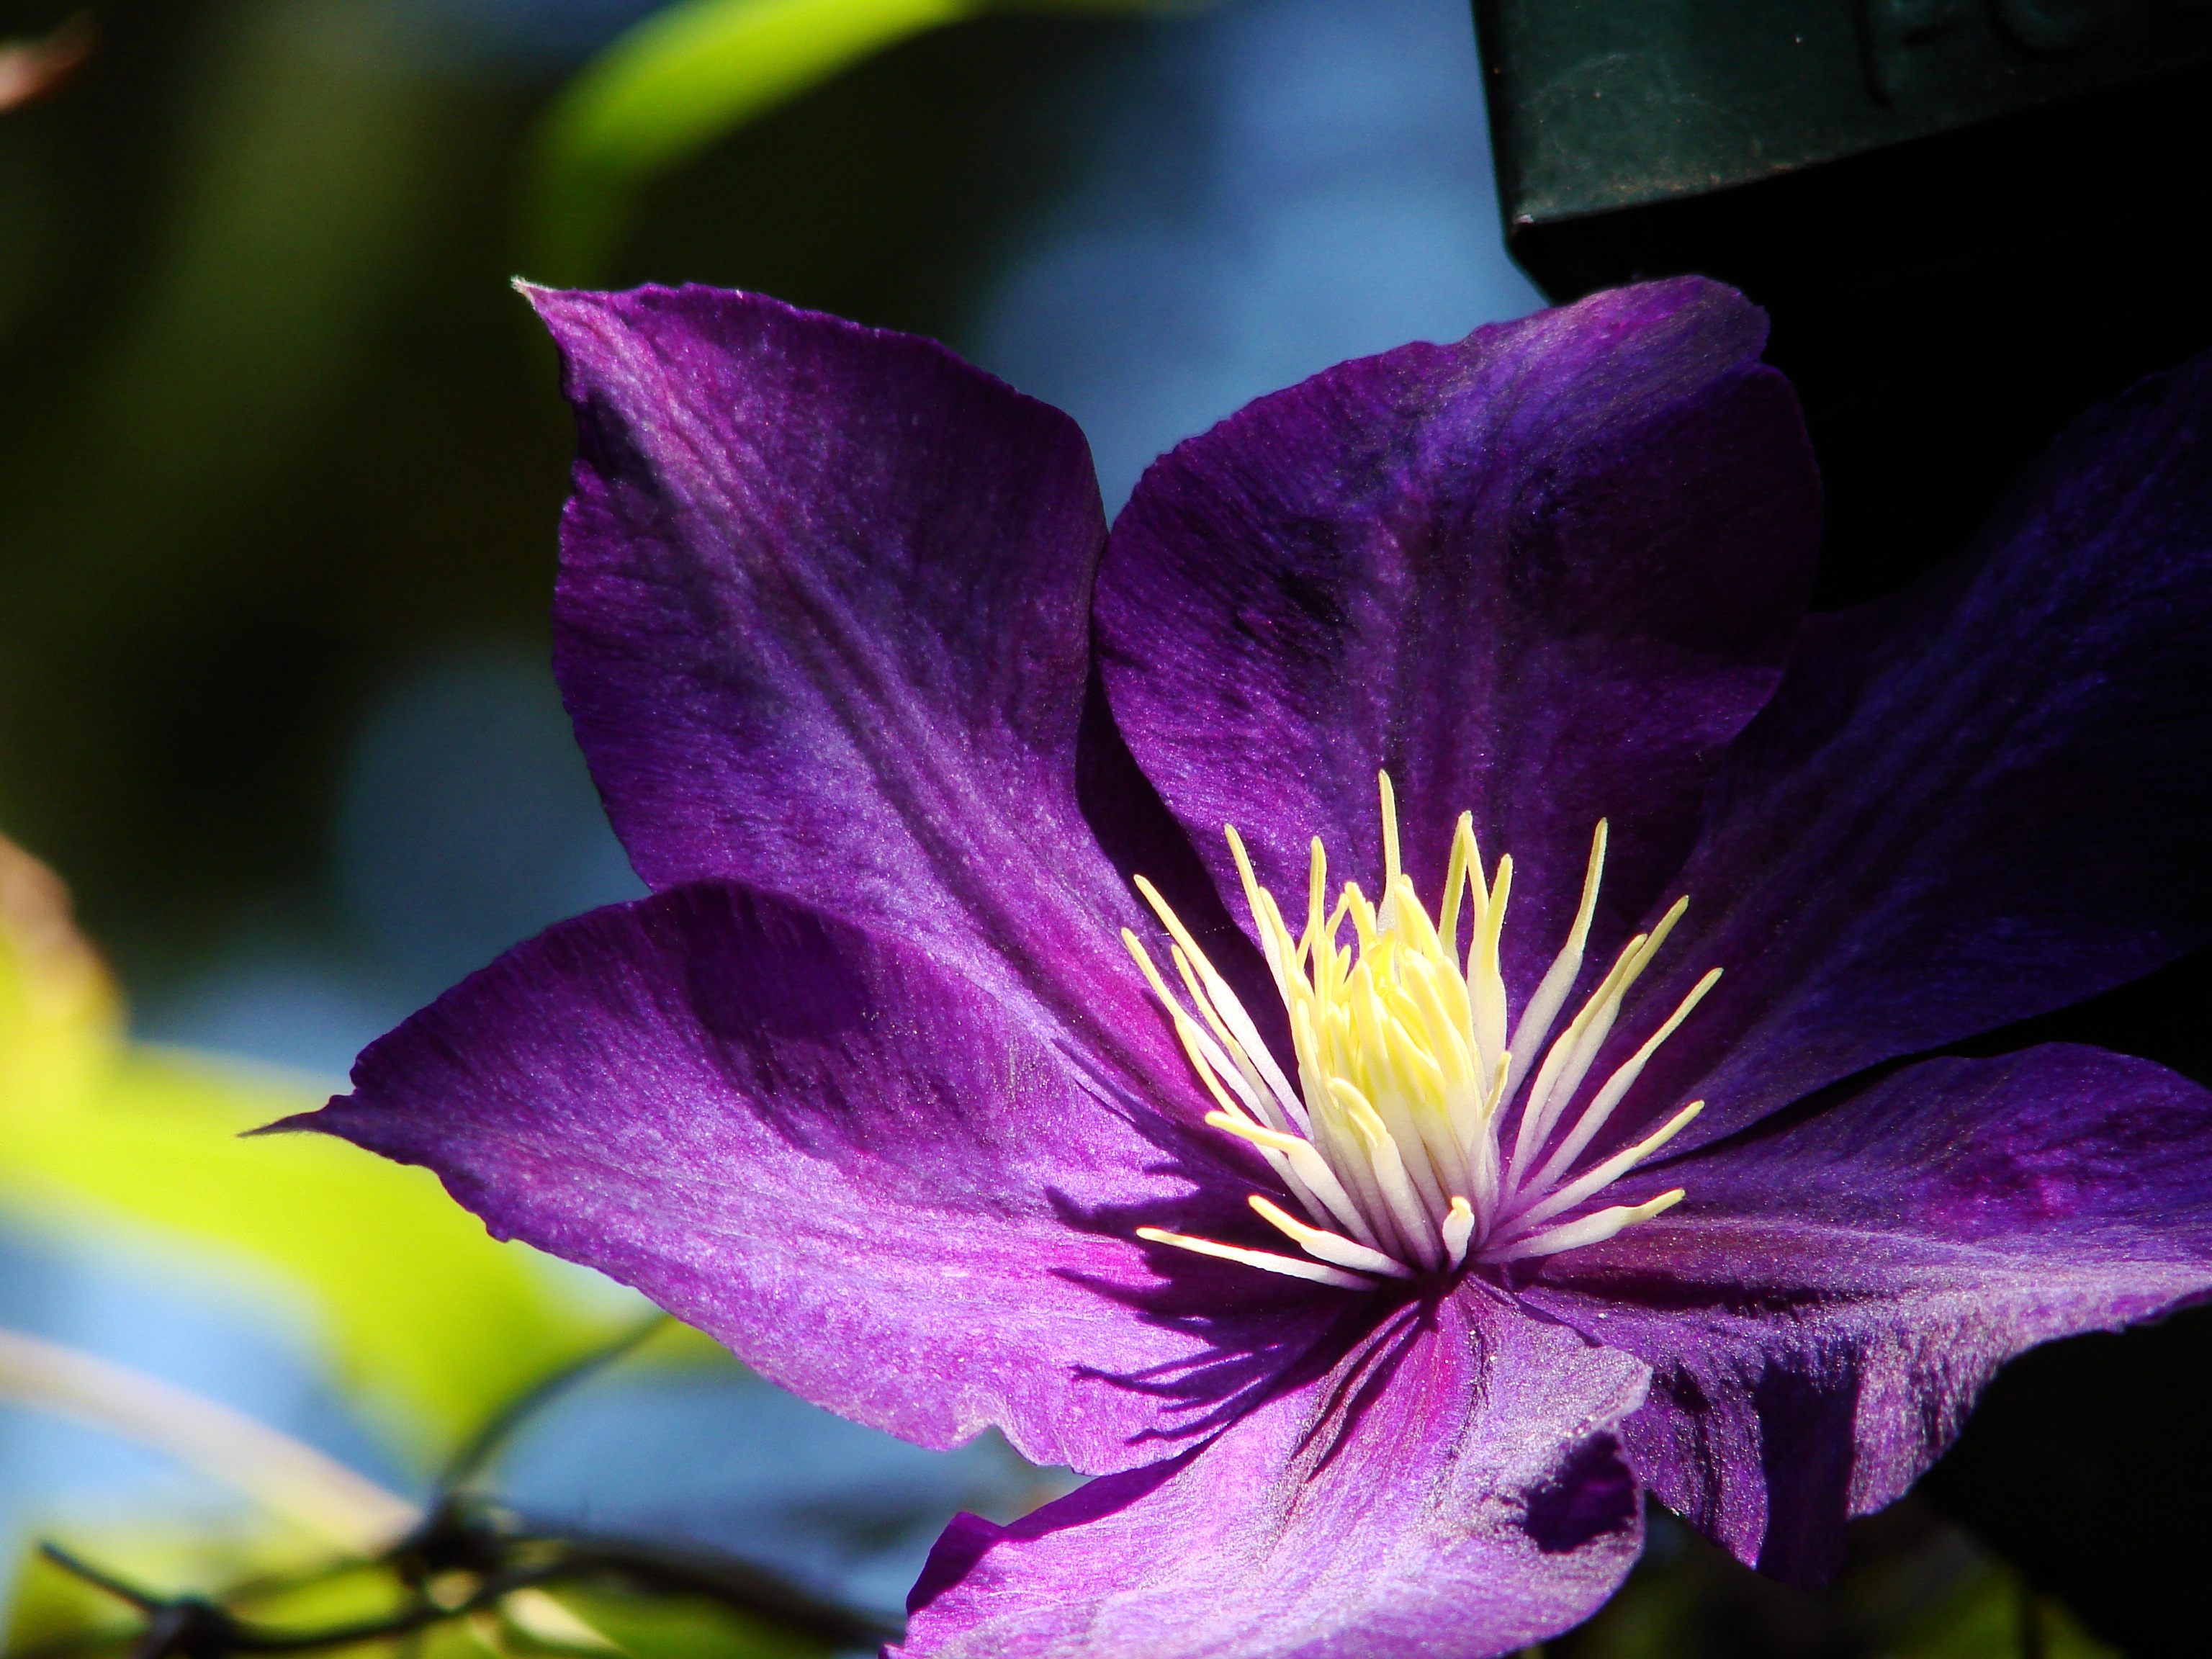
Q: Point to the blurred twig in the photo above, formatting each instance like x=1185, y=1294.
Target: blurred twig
x=197, y=1628
x=480, y=1446
x=483, y=1564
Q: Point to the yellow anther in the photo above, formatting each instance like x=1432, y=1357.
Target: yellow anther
x=1404, y=1069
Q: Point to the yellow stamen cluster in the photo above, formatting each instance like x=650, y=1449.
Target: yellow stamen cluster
x=1390, y=1141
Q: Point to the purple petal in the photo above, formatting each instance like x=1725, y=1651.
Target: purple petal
x=879, y=1186
x=1453, y=1488
x=1545, y=574
x=1821, y=1310
x=823, y=623
x=1980, y=801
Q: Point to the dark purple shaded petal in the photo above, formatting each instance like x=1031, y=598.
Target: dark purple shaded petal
x=1821, y=1310
x=879, y=1186
x=822, y=623
x=1454, y=1488
x=1545, y=574
x=1980, y=801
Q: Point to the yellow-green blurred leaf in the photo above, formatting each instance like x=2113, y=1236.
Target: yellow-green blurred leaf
x=661, y=1626
x=546, y=1621
x=48, y=1605
x=429, y=1320
x=695, y=71
x=59, y=1016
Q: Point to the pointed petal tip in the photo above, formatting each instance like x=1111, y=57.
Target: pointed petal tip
x=297, y=1123
x=542, y=294
x=544, y=297
x=571, y=315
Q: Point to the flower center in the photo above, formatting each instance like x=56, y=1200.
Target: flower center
x=1392, y=1140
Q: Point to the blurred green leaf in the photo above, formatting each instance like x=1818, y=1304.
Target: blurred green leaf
x=60, y=1018
x=47, y=1606
x=695, y=71
x=660, y=1626
x=431, y=1322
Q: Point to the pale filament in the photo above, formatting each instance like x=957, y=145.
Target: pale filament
x=1391, y=1138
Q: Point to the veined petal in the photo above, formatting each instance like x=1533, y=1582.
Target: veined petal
x=1982, y=801
x=1572, y=549
x=1822, y=1309
x=1451, y=1488
x=879, y=1186
x=823, y=623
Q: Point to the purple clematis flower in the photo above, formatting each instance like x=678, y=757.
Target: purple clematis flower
x=1375, y=1242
